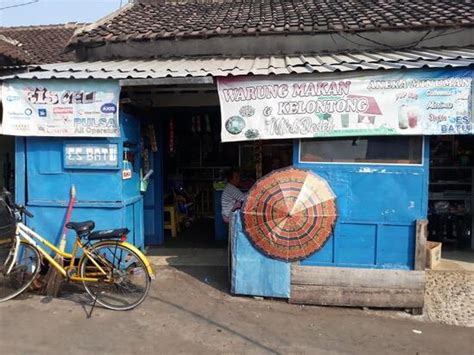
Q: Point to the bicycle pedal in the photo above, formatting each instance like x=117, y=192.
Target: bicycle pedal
x=36, y=285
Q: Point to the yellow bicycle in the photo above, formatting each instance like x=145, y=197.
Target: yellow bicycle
x=114, y=273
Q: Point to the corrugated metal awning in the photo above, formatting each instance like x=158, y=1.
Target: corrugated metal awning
x=262, y=65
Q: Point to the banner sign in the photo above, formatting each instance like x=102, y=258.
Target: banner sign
x=422, y=102
x=91, y=155
x=61, y=108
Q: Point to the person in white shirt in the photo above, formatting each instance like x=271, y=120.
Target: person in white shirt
x=232, y=197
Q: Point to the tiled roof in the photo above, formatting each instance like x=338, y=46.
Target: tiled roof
x=264, y=65
x=37, y=44
x=139, y=21
x=9, y=48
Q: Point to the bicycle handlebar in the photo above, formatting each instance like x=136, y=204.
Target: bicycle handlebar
x=22, y=209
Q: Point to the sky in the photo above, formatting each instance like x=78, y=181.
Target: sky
x=44, y=12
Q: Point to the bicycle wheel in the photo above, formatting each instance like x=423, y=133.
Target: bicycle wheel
x=127, y=282
x=22, y=274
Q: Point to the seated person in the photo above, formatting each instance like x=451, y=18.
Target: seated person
x=232, y=197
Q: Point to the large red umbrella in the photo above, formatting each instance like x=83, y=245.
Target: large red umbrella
x=289, y=214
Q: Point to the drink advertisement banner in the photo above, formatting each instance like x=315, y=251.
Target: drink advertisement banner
x=61, y=108
x=421, y=102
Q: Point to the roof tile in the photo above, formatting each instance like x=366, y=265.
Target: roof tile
x=38, y=44
x=157, y=19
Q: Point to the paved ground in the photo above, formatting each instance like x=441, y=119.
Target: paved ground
x=456, y=260
x=189, y=311
x=449, y=297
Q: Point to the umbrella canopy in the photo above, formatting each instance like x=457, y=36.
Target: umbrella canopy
x=289, y=214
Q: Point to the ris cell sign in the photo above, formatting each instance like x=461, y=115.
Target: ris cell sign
x=61, y=108
x=421, y=102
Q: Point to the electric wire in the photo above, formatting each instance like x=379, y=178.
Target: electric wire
x=19, y=5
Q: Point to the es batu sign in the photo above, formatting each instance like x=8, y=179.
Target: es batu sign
x=421, y=102
x=84, y=155
x=61, y=108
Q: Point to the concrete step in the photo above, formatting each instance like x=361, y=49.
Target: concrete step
x=187, y=256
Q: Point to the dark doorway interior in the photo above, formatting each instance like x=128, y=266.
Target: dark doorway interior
x=7, y=163
x=451, y=197
x=195, y=163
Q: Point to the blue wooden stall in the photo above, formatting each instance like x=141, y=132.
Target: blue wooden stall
x=377, y=207
x=47, y=167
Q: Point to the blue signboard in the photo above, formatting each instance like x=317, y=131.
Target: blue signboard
x=91, y=155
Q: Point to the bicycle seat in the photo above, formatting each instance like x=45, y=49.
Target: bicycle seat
x=81, y=227
x=108, y=234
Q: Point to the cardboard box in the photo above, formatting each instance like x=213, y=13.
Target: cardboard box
x=433, y=254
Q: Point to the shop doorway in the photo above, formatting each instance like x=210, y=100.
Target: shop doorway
x=451, y=196
x=194, y=164
x=7, y=163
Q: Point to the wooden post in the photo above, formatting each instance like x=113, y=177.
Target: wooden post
x=420, y=244
x=420, y=252
x=338, y=286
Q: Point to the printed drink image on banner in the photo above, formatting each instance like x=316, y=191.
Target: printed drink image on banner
x=61, y=108
x=289, y=214
x=417, y=102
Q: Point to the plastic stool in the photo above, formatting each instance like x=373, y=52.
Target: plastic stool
x=171, y=224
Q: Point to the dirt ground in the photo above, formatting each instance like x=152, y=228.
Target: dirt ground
x=189, y=311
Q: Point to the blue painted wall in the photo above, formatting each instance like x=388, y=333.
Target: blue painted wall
x=377, y=207
x=253, y=273
x=43, y=184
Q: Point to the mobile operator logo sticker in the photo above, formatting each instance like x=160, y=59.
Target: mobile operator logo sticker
x=108, y=108
x=42, y=112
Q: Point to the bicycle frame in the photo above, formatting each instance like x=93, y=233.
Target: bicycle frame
x=23, y=232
